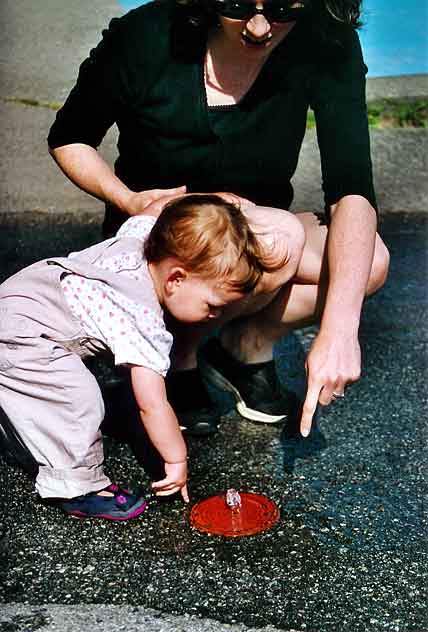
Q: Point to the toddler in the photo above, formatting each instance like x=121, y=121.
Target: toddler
x=197, y=257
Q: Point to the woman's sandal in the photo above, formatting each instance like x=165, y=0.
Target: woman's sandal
x=122, y=505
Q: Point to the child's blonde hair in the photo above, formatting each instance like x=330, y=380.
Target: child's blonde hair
x=210, y=237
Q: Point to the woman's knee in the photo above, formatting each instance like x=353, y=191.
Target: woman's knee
x=278, y=231
x=380, y=266
x=310, y=269
x=282, y=241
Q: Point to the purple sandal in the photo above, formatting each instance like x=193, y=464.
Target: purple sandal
x=123, y=505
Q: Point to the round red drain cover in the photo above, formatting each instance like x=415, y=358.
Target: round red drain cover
x=257, y=513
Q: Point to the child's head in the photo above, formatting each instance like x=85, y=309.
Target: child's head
x=205, y=255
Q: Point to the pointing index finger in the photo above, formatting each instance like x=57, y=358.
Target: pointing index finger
x=185, y=494
x=309, y=407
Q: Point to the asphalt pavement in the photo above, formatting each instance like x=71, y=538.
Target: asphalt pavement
x=349, y=552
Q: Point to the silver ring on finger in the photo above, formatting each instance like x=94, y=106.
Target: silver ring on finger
x=338, y=395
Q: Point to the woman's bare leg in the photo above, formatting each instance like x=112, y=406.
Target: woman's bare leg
x=298, y=304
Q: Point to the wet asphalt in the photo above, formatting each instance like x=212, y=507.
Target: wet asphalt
x=349, y=552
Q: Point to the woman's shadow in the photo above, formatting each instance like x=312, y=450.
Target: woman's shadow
x=290, y=358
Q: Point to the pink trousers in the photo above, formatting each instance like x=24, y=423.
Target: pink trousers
x=46, y=390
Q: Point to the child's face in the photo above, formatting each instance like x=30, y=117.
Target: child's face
x=192, y=298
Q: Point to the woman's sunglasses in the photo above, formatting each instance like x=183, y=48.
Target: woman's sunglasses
x=273, y=10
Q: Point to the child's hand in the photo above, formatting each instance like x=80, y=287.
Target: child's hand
x=175, y=480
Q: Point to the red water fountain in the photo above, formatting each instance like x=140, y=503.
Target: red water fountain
x=234, y=514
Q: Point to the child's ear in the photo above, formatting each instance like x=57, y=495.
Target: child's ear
x=175, y=278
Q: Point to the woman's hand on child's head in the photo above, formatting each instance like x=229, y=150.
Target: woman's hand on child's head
x=238, y=200
x=175, y=481
x=151, y=202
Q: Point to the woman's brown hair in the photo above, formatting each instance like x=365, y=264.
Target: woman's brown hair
x=210, y=237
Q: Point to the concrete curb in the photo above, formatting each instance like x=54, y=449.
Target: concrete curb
x=105, y=618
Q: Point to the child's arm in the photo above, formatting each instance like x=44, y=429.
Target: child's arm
x=163, y=429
